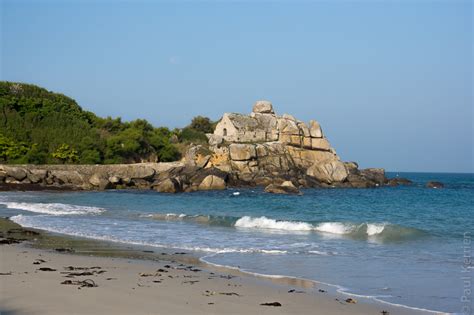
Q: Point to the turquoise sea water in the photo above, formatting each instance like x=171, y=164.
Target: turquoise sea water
x=402, y=245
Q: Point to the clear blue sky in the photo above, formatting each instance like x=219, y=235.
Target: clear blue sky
x=390, y=81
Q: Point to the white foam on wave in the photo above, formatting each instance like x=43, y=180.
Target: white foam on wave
x=374, y=229
x=53, y=208
x=335, y=228
x=266, y=223
x=338, y=228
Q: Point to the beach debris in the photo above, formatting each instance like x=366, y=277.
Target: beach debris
x=276, y=304
x=110, y=278
x=46, y=269
x=9, y=240
x=180, y=253
x=209, y=293
x=229, y=293
x=351, y=301
x=143, y=274
x=385, y=312
x=148, y=251
x=64, y=250
x=210, y=303
x=88, y=283
x=78, y=274
x=157, y=281
x=5, y=273
x=295, y=291
x=167, y=266
x=39, y=261
x=162, y=270
x=23, y=232
x=322, y=291
x=191, y=281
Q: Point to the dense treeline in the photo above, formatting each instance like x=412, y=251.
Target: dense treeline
x=42, y=127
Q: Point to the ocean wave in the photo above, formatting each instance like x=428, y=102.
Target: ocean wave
x=381, y=231
x=53, y=208
x=266, y=223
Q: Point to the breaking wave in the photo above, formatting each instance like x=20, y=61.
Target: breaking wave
x=384, y=231
x=53, y=208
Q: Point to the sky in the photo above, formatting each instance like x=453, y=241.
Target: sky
x=391, y=82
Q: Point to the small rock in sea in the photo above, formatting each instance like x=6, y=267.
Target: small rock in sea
x=434, y=185
x=351, y=300
x=277, y=304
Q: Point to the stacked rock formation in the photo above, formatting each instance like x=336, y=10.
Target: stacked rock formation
x=263, y=147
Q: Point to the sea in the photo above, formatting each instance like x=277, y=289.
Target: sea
x=405, y=245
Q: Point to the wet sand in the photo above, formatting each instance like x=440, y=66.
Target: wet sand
x=75, y=276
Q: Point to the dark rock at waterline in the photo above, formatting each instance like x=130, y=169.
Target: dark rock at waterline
x=433, y=184
x=285, y=188
x=398, y=181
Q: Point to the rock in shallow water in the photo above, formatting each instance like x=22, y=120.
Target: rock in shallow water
x=285, y=188
x=433, y=184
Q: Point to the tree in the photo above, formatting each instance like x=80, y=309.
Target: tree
x=202, y=124
x=65, y=153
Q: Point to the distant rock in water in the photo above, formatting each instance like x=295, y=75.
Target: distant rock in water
x=397, y=181
x=433, y=184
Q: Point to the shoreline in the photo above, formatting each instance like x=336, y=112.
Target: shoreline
x=77, y=251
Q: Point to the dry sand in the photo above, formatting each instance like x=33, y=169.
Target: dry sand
x=126, y=286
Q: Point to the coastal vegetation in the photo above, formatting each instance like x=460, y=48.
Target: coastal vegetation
x=42, y=127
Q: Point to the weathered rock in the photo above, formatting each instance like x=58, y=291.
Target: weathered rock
x=333, y=171
x=352, y=167
x=315, y=129
x=282, y=189
x=70, y=177
x=433, y=184
x=214, y=140
x=98, y=181
x=169, y=185
x=263, y=107
x=320, y=144
x=376, y=175
x=242, y=152
x=17, y=173
x=398, y=181
x=212, y=182
x=114, y=180
x=37, y=175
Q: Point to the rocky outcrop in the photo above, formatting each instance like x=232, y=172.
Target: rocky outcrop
x=261, y=148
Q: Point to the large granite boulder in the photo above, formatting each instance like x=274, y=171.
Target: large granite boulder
x=17, y=173
x=169, y=185
x=212, y=182
x=98, y=181
x=263, y=107
x=286, y=187
x=315, y=129
x=329, y=172
x=376, y=175
x=242, y=152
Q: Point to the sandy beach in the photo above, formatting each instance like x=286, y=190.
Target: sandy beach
x=45, y=281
